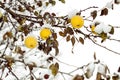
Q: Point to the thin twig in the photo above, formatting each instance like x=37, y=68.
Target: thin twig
x=12, y=72
x=105, y=47
x=65, y=73
x=62, y=62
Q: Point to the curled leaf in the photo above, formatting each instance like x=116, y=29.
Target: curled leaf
x=104, y=12
x=46, y=15
x=7, y=35
x=62, y=34
x=94, y=14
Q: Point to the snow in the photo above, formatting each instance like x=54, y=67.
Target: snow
x=102, y=28
x=83, y=54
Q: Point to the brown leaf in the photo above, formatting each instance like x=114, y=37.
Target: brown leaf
x=63, y=1
x=31, y=66
x=112, y=31
x=5, y=19
x=19, y=50
x=103, y=36
x=20, y=8
x=81, y=40
x=98, y=77
x=53, y=3
x=47, y=50
x=47, y=3
x=49, y=59
x=57, y=65
x=104, y=12
x=115, y=77
x=54, y=68
x=69, y=30
x=39, y=3
x=94, y=14
x=62, y=34
x=54, y=35
x=36, y=13
x=73, y=41
x=68, y=38
x=56, y=51
x=78, y=77
x=116, y=2
x=7, y=35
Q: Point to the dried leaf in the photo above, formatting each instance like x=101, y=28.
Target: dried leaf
x=81, y=40
x=112, y=31
x=94, y=14
x=19, y=50
x=104, y=12
x=10, y=60
x=78, y=77
x=62, y=34
x=57, y=65
x=20, y=8
x=36, y=13
x=68, y=38
x=50, y=59
x=69, y=30
x=98, y=77
x=39, y=3
x=53, y=3
x=54, y=35
x=47, y=3
x=116, y=2
x=115, y=77
x=56, y=51
x=54, y=68
x=103, y=36
x=21, y=21
x=7, y=35
x=31, y=65
x=47, y=49
x=63, y=1
x=73, y=41
x=5, y=19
